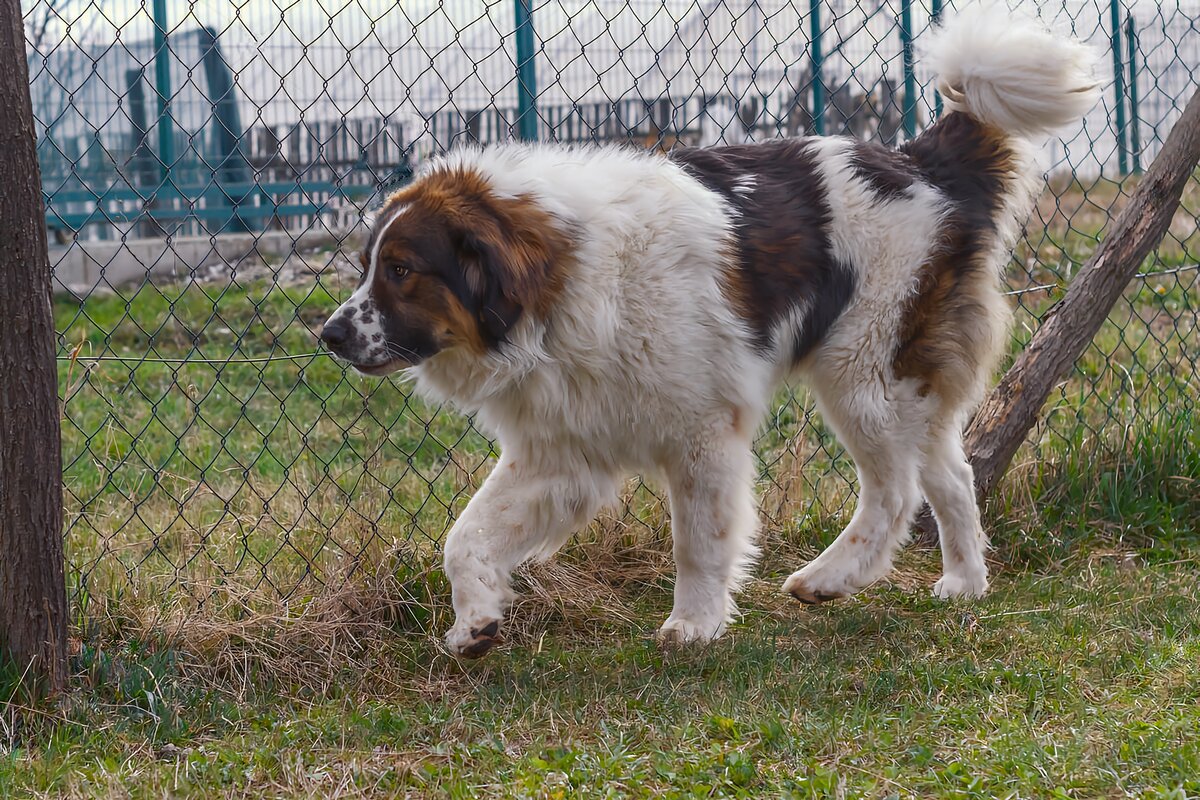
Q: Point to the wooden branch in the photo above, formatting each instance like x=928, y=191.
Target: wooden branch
x=1010, y=411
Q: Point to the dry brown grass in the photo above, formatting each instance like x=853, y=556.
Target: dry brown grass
x=242, y=632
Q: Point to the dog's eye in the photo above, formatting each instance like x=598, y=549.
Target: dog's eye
x=399, y=270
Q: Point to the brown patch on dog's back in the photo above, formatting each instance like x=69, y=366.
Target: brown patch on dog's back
x=951, y=324
x=930, y=339
x=888, y=172
x=780, y=258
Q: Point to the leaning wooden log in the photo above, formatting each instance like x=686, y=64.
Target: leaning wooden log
x=1004, y=419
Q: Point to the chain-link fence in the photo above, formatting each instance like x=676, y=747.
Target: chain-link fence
x=207, y=166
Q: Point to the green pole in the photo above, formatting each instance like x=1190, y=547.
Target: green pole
x=1135, y=126
x=526, y=73
x=1119, y=87
x=910, y=79
x=935, y=18
x=818, y=86
x=162, y=84
x=230, y=165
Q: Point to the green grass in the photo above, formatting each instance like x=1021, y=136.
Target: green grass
x=1078, y=681
x=194, y=475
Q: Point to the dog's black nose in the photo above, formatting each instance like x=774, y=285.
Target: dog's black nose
x=336, y=332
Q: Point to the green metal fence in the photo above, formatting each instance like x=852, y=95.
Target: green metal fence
x=207, y=167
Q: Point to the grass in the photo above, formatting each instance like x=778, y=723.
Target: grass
x=256, y=598
x=1078, y=681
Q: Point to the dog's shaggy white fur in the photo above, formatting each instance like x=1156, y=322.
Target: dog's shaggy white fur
x=604, y=311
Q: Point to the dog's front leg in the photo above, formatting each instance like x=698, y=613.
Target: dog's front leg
x=714, y=525
x=517, y=515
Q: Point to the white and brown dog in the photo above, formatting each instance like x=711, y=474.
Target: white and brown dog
x=604, y=311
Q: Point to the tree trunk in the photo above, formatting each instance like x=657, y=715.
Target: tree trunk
x=32, y=591
x=1004, y=419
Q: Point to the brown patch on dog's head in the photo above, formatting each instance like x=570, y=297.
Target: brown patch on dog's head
x=492, y=257
x=450, y=263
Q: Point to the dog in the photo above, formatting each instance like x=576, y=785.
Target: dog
x=604, y=311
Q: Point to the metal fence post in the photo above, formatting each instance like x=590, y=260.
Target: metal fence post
x=1119, y=87
x=230, y=165
x=910, y=80
x=935, y=17
x=162, y=84
x=526, y=73
x=818, y=86
x=1135, y=132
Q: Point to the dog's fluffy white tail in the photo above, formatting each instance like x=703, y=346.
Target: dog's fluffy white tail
x=1005, y=69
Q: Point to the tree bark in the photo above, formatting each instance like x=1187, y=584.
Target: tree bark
x=32, y=589
x=1008, y=413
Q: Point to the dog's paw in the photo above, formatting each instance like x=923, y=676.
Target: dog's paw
x=809, y=587
x=678, y=632
x=466, y=641
x=966, y=586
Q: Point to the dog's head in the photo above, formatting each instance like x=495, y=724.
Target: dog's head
x=449, y=264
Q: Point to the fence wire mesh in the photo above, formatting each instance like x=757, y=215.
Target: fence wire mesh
x=207, y=167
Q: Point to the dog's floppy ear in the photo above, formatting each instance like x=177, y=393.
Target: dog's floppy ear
x=511, y=264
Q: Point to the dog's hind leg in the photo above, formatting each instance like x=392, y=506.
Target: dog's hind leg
x=520, y=513
x=883, y=428
x=714, y=522
x=948, y=484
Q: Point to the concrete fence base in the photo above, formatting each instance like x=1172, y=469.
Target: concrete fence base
x=85, y=267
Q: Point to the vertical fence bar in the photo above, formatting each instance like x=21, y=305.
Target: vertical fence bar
x=1135, y=130
x=910, y=79
x=818, y=85
x=526, y=73
x=757, y=26
x=230, y=165
x=162, y=84
x=935, y=16
x=1119, y=87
